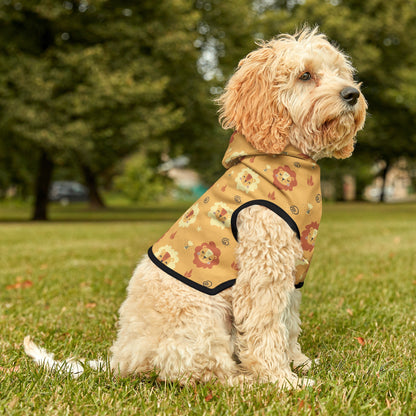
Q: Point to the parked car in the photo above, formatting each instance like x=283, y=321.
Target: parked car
x=68, y=191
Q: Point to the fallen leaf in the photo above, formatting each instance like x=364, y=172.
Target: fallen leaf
x=361, y=341
x=11, y=287
x=209, y=397
x=20, y=285
x=91, y=305
x=350, y=312
x=359, y=277
x=414, y=282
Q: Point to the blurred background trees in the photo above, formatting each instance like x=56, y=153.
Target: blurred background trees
x=90, y=89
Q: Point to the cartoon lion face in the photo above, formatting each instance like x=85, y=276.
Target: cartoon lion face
x=189, y=217
x=247, y=180
x=168, y=256
x=220, y=214
x=284, y=178
x=308, y=237
x=207, y=255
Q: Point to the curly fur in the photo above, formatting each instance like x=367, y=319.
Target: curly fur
x=286, y=92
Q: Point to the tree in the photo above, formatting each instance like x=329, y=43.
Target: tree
x=90, y=83
x=79, y=83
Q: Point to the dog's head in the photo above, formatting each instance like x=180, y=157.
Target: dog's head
x=295, y=90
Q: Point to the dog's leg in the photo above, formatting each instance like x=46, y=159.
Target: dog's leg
x=198, y=345
x=198, y=348
x=140, y=326
x=166, y=326
x=293, y=322
x=266, y=256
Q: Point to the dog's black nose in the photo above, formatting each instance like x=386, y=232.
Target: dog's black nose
x=350, y=95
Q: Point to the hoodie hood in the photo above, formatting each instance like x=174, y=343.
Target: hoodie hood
x=239, y=148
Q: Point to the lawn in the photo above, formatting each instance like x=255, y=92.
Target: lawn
x=62, y=282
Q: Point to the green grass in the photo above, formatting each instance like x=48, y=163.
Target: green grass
x=118, y=210
x=62, y=282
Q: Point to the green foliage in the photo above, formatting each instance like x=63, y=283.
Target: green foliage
x=78, y=91
x=140, y=181
x=92, y=83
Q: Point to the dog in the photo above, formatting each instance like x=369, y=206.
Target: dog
x=223, y=304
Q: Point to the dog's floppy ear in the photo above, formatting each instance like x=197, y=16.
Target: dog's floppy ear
x=250, y=103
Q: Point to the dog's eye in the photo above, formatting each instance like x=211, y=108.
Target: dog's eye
x=306, y=76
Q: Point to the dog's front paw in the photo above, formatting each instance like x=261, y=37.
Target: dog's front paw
x=304, y=364
x=306, y=382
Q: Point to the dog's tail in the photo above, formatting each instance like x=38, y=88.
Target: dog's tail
x=71, y=366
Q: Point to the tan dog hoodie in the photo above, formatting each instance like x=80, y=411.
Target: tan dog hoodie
x=199, y=249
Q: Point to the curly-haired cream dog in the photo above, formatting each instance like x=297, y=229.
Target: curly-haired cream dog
x=294, y=91
x=217, y=297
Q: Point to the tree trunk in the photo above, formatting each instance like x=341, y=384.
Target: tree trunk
x=384, y=177
x=90, y=178
x=42, y=185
